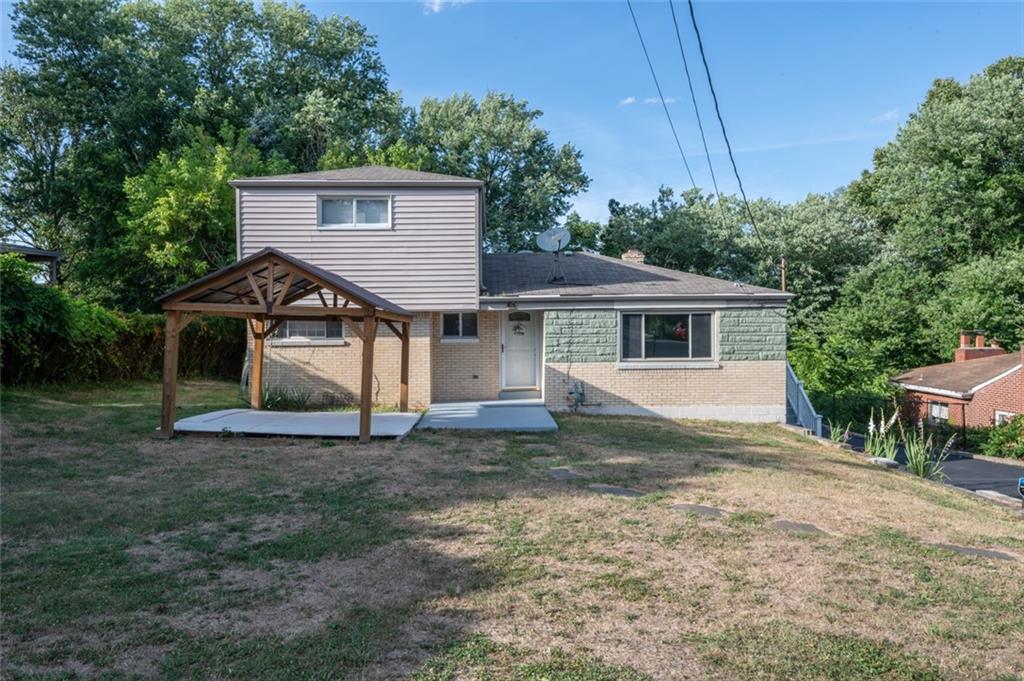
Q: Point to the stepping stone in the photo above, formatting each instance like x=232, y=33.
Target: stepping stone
x=797, y=528
x=563, y=473
x=698, y=509
x=980, y=553
x=617, y=491
x=542, y=459
x=487, y=468
x=883, y=462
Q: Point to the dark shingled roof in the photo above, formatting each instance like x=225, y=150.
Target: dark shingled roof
x=365, y=175
x=598, y=276
x=961, y=378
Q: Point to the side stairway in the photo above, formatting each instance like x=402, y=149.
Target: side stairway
x=799, y=410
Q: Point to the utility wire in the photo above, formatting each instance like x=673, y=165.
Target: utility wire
x=693, y=98
x=660, y=95
x=732, y=159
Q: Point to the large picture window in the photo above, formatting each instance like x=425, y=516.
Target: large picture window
x=666, y=336
x=355, y=212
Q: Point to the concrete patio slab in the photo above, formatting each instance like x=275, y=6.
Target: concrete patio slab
x=340, y=424
x=518, y=415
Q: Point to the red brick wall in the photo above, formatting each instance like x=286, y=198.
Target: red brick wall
x=1006, y=394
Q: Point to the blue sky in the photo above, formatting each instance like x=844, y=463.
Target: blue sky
x=808, y=90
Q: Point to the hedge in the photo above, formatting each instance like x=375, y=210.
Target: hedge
x=49, y=336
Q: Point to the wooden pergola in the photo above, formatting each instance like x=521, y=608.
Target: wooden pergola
x=267, y=289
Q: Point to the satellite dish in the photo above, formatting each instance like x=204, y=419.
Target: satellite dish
x=554, y=239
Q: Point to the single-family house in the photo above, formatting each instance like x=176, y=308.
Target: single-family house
x=983, y=386
x=577, y=330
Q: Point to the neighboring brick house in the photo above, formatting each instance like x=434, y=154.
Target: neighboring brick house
x=581, y=331
x=983, y=386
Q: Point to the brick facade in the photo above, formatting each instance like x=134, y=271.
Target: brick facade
x=580, y=348
x=331, y=372
x=466, y=370
x=1006, y=394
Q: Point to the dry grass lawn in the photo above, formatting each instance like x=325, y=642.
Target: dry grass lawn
x=457, y=556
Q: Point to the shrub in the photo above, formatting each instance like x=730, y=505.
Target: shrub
x=1006, y=439
x=49, y=336
x=922, y=458
x=882, y=440
x=285, y=399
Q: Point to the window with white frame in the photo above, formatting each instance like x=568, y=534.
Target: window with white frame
x=458, y=325
x=355, y=212
x=938, y=411
x=1002, y=417
x=666, y=336
x=310, y=331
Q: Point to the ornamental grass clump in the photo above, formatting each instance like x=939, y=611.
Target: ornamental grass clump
x=837, y=433
x=882, y=440
x=922, y=458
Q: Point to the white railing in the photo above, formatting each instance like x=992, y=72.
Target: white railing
x=798, y=401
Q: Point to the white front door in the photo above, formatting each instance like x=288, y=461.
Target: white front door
x=520, y=349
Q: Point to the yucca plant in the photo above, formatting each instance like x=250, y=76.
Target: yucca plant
x=922, y=459
x=882, y=440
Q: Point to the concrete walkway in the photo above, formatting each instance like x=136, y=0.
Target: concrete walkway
x=519, y=415
x=296, y=424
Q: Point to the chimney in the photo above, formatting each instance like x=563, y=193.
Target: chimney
x=966, y=351
x=634, y=256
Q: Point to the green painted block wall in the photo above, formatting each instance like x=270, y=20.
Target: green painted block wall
x=752, y=334
x=580, y=335
x=591, y=335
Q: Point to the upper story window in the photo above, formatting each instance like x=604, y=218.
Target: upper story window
x=671, y=336
x=355, y=212
x=458, y=325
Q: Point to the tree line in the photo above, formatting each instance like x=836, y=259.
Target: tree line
x=123, y=122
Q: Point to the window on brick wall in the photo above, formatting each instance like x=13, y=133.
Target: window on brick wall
x=666, y=336
x=310, y=331
x=458, y=325
x=938, y=412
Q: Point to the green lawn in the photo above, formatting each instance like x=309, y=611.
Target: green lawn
x=454, y=556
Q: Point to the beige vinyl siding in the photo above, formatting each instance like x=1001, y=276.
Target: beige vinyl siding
x=428, y=260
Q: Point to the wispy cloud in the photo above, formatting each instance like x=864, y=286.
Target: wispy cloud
x=437, y=6
x=657, y=100
x=890, y=115
x=627, y=101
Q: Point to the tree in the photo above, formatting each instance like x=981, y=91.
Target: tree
x=583, y=234
x=950, y=187
x=179, y=221
x=528, y=180
x=105, y=87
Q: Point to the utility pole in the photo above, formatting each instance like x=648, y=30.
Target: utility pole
x=783, y=272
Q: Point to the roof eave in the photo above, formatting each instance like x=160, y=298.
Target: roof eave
x=761, y=297
x=932, y=390
x=355, y=184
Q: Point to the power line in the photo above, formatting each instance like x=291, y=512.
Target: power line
x=732, y=159
x=660, y=95
x=693, y=98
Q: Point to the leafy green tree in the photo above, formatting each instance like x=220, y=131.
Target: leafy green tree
x=179, y=221
x=529, y=181
x=986, y=293
x=583, y=234
x=950, y=187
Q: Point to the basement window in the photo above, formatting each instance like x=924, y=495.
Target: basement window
x=355, y=212
x=458, y=326
x=666, y=336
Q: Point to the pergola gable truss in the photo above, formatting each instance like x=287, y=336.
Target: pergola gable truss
x=266, y=289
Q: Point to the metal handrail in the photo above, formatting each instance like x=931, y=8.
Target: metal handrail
x=801, y=403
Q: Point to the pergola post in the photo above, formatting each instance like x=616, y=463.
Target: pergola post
x=172, y=330
x=403, y=388
x=366, y=387
x=256, y=376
